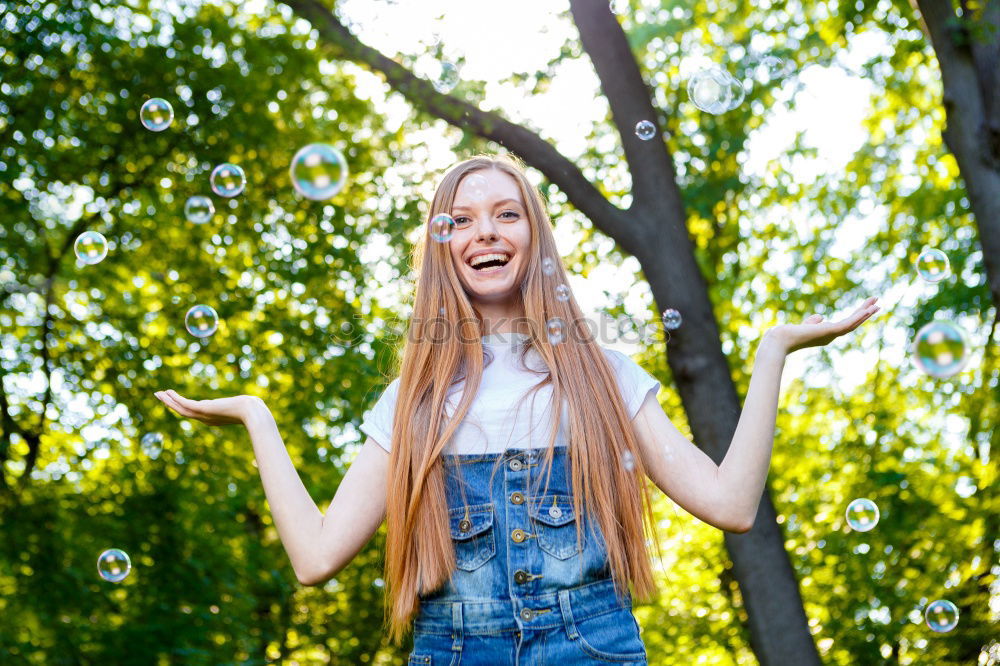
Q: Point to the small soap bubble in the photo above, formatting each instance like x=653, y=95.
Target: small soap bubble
x=941, y=615
x=548, y=266
x=91, y=247
x=556, y=330
x=442, y=228
x=199, y=209
x=562, y=293
x=671, y=319
x=862, y=514
x=714, y=90
x=152, y=444
x=628, y=461
x=939, y=349
x=228, y=180
x=645, y=130
x=933, y=265
x=201, y=321
x=769, y=68
x=446, y=79
x=114, y=565
x=476, y=185
x=318, y=171
x=156, y=114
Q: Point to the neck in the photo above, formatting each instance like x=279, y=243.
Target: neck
x=501, y=318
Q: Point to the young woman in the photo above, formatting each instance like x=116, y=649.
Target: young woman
x=513, y=536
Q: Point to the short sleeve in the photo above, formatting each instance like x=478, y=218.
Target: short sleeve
x=377, y=422
x=634, y=382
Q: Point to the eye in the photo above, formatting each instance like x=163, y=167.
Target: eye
x=460, y=220
x=510, y=212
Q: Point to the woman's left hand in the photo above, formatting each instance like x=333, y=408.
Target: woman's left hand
x=814, y=332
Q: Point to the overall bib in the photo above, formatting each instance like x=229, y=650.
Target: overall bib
x=523, y=592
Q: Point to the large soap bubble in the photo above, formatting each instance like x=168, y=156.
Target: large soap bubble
x=91, y=247
x=318, y=171
x=114, y=565
x=862, y=514
x=201, y=321
x=156, y=114
x=714, y=90
x=199, y=209
x=933, y=265
x=939, y=349
x=228, y=180
x=941, y=615
x=442, y=228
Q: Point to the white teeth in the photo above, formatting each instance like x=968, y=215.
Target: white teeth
x=475, y=261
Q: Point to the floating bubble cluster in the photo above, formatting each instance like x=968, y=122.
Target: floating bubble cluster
x=199, y=209
x=91, y=247
x=318, y=171
x=114, y=565
x=555, y=328
x=714, y=90
x=645, y=130
x=941, y=615
x=228, y=180
x=201, y=321
x=933, y=265
x=939, y=349
x=671, y=319
x=442, y=228
x=862, y=514
x=156, y=114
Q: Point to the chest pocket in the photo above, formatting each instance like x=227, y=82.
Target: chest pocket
x=472, y=535
x=555, y=526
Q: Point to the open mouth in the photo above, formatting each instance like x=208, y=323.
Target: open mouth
x=489, y=263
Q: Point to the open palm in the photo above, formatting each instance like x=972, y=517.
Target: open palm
x=218, y=411
x=814, y=332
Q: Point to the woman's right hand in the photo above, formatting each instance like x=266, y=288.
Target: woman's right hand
x=219, y=411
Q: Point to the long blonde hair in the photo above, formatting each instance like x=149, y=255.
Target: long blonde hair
x=606, y=471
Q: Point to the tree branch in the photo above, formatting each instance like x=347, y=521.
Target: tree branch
x=526, y=144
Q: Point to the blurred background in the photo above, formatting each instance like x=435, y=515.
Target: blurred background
x=820, y=178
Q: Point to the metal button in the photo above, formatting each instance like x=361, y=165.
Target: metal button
x=518, y=535
x=555, y=511
x=515, y=465
x=521, y=577
x=517, y=498
x=527, y=614
x=465, y=525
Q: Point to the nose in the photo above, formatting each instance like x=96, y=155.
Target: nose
x=486, y=230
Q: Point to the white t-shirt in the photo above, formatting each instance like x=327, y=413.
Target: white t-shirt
x=498, y=418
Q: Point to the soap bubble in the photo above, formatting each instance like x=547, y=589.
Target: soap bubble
x=862, y=514
x=770, y=67
x=618, y=6
x=201, y=321
x=156, y=114
x=152, y=444
x=714, y=90
x=445, y=78
x=318, y=171
x=548, y=266
x=645, y=130
x=442, y=227
x=941, y=615
x=939, y=349
x=671, y=319
x=228, y=180
x=90, y=247
x=933, y=265
x=562, y=293
x=199, y=209
x=114, y=565
x=476, y=185
x=556, y=330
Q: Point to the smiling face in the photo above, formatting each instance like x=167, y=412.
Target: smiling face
x=492, y=233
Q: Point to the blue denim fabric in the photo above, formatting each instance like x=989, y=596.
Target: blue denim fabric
x=524, y=590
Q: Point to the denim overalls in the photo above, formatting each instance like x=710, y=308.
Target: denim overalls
x=523, y=592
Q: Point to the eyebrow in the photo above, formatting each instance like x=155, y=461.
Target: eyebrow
x=497, y=205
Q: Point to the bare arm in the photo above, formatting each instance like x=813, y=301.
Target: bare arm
x=727, y=495
x=318, y=545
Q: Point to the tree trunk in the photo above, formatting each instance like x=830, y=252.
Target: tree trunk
x=654, y=230
x=968, y=53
